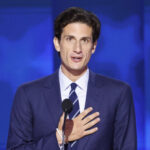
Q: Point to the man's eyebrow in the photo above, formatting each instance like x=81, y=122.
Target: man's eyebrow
x=86, y=38
x=82, y=38
x=67, y=35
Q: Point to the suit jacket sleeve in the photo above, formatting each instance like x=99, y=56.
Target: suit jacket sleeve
x=20, y=132
x=125, y=126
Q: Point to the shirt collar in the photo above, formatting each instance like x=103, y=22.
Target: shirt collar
x=65, y=81
x=83, y=80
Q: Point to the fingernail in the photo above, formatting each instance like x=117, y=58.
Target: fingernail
x=97, y=113
x=98, y=119
x=91, y=108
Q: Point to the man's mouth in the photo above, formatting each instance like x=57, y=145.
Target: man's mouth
x=76, y=59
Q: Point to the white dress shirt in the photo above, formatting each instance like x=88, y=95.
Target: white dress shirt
x=81, y=89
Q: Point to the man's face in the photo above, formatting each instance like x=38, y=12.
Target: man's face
x=76, y=47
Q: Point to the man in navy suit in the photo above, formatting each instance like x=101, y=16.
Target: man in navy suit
x=105, y=120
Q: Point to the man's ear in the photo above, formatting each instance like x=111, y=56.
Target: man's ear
x=94, y=47
x=56, y=44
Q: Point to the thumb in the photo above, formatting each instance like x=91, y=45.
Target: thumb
x=61, y=121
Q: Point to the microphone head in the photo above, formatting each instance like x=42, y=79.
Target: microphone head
x=67, y=105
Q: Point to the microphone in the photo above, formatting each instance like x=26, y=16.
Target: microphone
x=67, y=107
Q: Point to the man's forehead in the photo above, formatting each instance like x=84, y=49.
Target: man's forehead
x=77, y=28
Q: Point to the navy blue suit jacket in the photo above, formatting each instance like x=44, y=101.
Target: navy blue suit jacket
x=37, y=108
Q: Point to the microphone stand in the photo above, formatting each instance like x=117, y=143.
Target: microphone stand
x=63, y=131
x=67, y=108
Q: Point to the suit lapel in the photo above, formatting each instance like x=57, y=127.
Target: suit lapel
x=92, y=100
x=53, y=98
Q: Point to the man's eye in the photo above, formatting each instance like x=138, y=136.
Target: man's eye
x=85, y=40
x=69, y=38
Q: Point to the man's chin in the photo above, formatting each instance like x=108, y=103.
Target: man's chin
x=78, y=70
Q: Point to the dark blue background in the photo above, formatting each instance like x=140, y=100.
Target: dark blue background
x=123, y=52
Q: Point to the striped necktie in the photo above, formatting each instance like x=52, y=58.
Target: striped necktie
x=73, y=97
x=75, y=111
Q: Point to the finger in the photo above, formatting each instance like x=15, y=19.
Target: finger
x=85, y=112
x=62, y=117
x=90, y=117
x=92, y=123
x=61, y=121
x=91, y=131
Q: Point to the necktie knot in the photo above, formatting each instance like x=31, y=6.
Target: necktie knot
x=73, y=86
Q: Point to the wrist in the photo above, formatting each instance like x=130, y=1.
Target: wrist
x=59, y=136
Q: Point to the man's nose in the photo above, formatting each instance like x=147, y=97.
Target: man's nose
x=78, y=47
